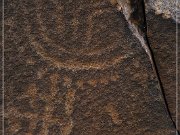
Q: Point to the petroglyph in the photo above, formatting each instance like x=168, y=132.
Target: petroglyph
x=72, y=72
x=88, y=55
x=67, y=81
x=54, y=80
x=113, y=113
x=102, y=80
x=70, y=98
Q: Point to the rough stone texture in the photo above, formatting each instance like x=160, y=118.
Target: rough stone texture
x=168, y=8
x=74, y=68
x=162, y=38
x=1, y=116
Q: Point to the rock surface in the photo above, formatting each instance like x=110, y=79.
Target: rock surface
x=74, y=68
x=167, y=8
x=162, y=38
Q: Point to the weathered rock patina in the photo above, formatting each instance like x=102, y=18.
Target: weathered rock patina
x=162, y=38
x=75, y=68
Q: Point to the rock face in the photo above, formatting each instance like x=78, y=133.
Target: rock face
x=162, y=38
x=75, y=68
x=169, y=8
